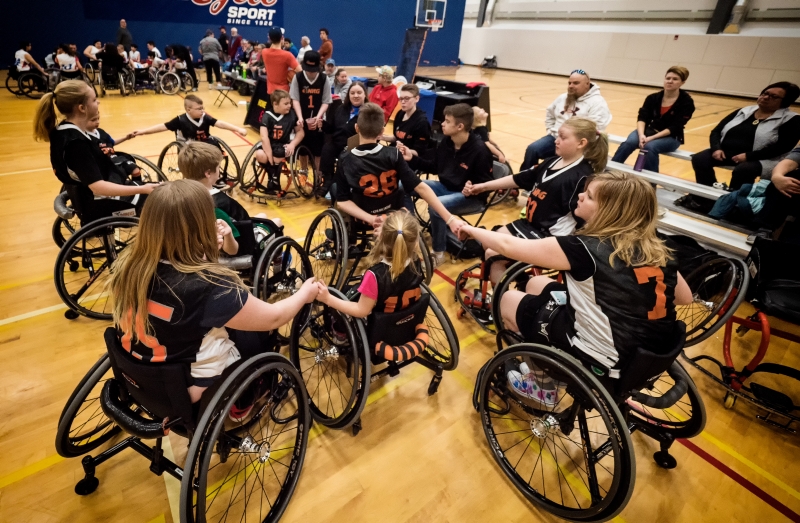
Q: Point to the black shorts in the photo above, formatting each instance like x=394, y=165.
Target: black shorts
x=278, y=150
x=522, y=228
x=541, y=320
x=125, y=163
x=314, y=140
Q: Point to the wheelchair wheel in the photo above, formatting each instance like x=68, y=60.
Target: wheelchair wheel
x=330, y=351
x=64, y=229
x=32, y=85
x=169, y=83
x=305, y=179
x=11, y=82
x=421, y=211
x=83, y=426
x=83, y=265
x=123, y=87
x=128, y=82
x=187, y=84
x=251, y=171
x=426, y=264
x=168, y=161
x=248, y=470
x=718, y=288
x=571, y=457
x=150, y=172
x=229, y=168
x=685, y=418
x=280, y=271
x=90, y=72
x=443, y=344
x=326, y=244
x=518, y=272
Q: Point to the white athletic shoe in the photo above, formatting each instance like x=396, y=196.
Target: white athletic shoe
x=437, y=259
x=526, y=385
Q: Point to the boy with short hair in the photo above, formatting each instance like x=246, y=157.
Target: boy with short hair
x=194, y=124
x=106, y=144
x=281, y=132
x=366, y=195
x=311, y=95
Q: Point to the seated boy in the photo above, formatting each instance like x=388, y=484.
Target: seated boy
x=281, y=132
x=200, y=162
x=367, y=182
x=195, y=124
x=107, y=143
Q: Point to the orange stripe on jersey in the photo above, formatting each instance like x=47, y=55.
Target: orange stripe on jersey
x=160, y=311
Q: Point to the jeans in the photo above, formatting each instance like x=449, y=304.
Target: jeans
x=456, y=203
x=212, y=65
x=542, y=148
x=654, y=148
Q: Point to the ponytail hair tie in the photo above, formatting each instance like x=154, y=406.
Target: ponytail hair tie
x=598, y=133
x=399, y=232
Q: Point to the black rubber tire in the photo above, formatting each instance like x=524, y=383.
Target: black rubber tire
x=168, y=161
x=246, y=180
x=313, y=244
x=30, y=84
x=64, y=229
x=304, y=188
x=70, y=446
x=509, y=277
x=440, y=333
x=426, y=261
x=231, y=178
x=169, y=83
x=11, y=83
x=150, y=171
x=187, y=84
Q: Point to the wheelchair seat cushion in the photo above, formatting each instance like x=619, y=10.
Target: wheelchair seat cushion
x=398, y=327
x=780, y=298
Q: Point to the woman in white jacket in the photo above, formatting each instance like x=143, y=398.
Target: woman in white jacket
x=582, y=99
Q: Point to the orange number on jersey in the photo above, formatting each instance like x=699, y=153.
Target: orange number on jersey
x=375, y=187
x=310, y=101
x=277, y=133
x=151, y=342
x=410, y=295
x=643, y=275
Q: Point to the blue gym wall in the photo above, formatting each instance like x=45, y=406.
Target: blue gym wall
x=364, y=32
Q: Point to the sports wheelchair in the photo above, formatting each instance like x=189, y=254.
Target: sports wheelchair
x=238, y=468
x=173, y=81
x=337, y=354
x=228, y=168
x=34, y=84
x=573, y=457
x=254, y=177
x=112, y=78
x=774, y=291
x=334, y=243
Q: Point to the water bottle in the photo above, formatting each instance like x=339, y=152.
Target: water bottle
x=639, y=165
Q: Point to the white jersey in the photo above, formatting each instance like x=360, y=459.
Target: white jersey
x=66, y=62
x=157, y=52
x=20, y=62
x=135, y=56
x=93, y=51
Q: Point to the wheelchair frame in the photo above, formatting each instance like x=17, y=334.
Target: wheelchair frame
x=169, y=164
x=254, y=186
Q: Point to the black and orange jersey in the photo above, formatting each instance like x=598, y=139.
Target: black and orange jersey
x=189, y=129
x=414, y=132
x=279, y=126
x=396, y=295
x=617, y=308
x=554, y=194
x=370, y=175
x=311, y=93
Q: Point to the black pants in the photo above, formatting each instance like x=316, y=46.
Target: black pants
x=703, y=164
x=190, y=70
x=212, y=65
x=777, y=206
x=327, y=165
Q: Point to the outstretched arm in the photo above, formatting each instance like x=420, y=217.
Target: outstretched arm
x=542, y=253
x=357, y=309
x=257, y=315
x=160, y=128
x=241, y=131
x=506, y=182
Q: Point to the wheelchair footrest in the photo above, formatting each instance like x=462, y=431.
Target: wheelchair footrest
x=773, y=398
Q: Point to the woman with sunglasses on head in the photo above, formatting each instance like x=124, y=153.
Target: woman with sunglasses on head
x=753, y=139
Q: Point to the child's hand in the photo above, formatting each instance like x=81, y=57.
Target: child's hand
x=241, y=131
x=468, y=189
x=309, y=290
x=323, y=294
x=462, y=230
x=405, y=151
x=289, y=148
x=312, y=123
x=223, y=229
x=148, y=187
x=456, y=225
x=377, y=223
x=501, y=158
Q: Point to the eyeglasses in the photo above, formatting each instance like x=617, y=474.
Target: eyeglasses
x=579, y=71
x=406, y=98
x=771, y=96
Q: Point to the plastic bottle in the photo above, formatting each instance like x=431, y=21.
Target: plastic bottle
x=639, y=165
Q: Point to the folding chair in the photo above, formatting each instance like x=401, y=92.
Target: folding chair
x=222, y=95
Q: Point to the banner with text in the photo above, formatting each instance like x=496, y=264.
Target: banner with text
x=212, y=12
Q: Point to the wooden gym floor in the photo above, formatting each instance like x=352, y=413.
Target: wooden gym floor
x=418, y=458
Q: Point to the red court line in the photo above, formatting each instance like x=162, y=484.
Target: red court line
x=763, y=496
x=711, y=460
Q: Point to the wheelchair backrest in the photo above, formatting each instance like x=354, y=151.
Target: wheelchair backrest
x=771, y=260
x=399, y=327
x=159, y=388
x=644, y=366
x=500, y=170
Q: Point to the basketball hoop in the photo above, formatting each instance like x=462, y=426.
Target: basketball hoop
x=430, y=14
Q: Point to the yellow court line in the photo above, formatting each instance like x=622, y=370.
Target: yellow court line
x=32, y=314
x=158, y=519
x=26, y=282
x=28, y=470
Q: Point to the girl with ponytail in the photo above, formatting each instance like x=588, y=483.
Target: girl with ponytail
x=554, y=185
x=391, y=283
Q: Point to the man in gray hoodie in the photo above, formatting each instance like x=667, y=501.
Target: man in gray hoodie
x=211, y=49
x=583, y=100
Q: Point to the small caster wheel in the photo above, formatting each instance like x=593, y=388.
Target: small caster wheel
x=434, y=386
x=73, y=266
x=71, y=314
x=729, y=400
x=86, y=486
x=665, y=460
x=356, y=427
x=460, y=313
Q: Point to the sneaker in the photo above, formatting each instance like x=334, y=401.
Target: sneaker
x=524, y=383
x=238, y=414
x=765, y=234
x=437, y=259
x=721, y=185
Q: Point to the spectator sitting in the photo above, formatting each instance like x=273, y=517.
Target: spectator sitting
x=342, y=126
x=661, y=120
x=411, y=127
x=279, y=63
x=582, y=99
x=289, y=46
x=305, y=45
x=754, y=139
x=385, y=93
x=341, y=84
x=330, y=70
x=781, y=196
x=255, y=67
x=326, y=49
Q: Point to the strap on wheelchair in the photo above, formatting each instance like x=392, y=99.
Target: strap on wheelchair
x=397, y=328
x=667, y=399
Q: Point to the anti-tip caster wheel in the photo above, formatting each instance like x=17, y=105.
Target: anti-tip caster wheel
x=729, y=400
x=73, y=266
x=434, y=386
x=356, y=427
x=665, y=460
x=71, y=314
x=86, y=486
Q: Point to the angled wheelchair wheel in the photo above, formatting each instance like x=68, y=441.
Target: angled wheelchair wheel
x=251, y=172
x=83, y=265
x=425, y=262
x=149, y=171
x=326, y=244
x=229, y=168
x=169, y=83
x=187, y=84
x=11, y=81
x=665, y=405
x=247, y=470
x=90, y=72
x=304, y=178
x=718, y=288
x=168, y=161
x=570, y=453
x=32, y=84
x=443, y=344
x=330, y=350
x=421, y=211
x=83, y=426
x=517, y=274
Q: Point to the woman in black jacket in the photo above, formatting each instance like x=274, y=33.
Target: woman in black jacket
x=342, y=127
x=661, y=121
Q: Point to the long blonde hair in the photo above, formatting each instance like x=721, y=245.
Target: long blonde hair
x=626, y=216
x=67, y=96
x=177, y=225
x=397, y=242
x=596, y=150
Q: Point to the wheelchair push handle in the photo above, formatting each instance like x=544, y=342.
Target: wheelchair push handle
x=131, y=422
x=667, y=399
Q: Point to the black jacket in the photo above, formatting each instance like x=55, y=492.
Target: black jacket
x=675, y=119
x=342, y=126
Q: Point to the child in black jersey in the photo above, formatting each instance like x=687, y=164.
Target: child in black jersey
x=391, y=284
x=107, y=144
x=200, y=162
x=554, y=186
x=480, y=118
x=367, y=182
x=281, y=132
x=194, y=124
x=411, y=127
